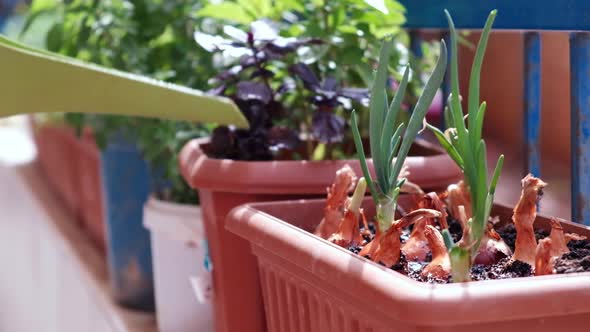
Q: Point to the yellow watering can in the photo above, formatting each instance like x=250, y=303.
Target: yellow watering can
x=35, y=81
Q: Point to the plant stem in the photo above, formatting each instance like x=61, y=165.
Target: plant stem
x=309, y=146
x=329, y=150
x=325, y=19
x=386, y=213
x=357, y=198
x=460, y=264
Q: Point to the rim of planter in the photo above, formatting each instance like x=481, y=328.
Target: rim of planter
x=414, y=302
x=296, y=176
x=171, y=217
x=172, y=207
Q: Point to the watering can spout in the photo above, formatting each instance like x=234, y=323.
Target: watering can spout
x=36, y=81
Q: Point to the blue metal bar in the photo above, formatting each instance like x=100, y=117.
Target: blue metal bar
x=416, y=44
x=580, y=122
x=512, y=14
x=532, y=102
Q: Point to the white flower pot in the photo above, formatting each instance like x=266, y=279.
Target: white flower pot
x=178, y=253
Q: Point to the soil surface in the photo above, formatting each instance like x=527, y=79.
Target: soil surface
x=577, y=260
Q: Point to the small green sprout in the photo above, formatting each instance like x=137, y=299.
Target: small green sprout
x=388, y=149
x=465, y=146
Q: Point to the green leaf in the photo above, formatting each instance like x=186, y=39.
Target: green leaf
x=379, y=5
x=32, y=18
x=395, y=6
x=496, y=175
x=455, y=102
x=481, y=189
x=383, y=32
x=476, y=71
x=166, y=37
x=250, y=6
x=40, y=5
x=393, y=148
x=381, y=167
x=488, y=206
x=364, y=71
x=465, y=148
x=54, y=39
x=479, y=121
x=347, y=29
x=229, y=11
x=393, y=112
x=350, y=56
x=469, y=146
x=262, y=8
x=377, y=112
x=448, y=146
x=424, y=102
x=448, y=238
x=481, y=226
x=448, y=116
x=288, y=5
x=358, y=142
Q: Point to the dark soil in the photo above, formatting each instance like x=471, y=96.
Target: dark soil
x=578, y=260
x=455, y=229
x=508, y=234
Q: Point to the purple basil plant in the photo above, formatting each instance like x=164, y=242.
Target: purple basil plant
x=327, y=96
x=258, y=80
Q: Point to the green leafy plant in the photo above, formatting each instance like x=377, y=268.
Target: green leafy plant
x=160, y=143
x=465, y=145
x=353, y=30
x=262, y=88
x=153, y=38
x=348, y=36
x=389, y=147
x=248, y=11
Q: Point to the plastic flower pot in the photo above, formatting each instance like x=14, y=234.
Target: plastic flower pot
x=56, y=153
x=225, y=184
x=310, y=284
x=178, y=252
x=90, y=190
x=126, y=185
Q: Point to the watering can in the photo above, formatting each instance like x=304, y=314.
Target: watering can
x=35, y=81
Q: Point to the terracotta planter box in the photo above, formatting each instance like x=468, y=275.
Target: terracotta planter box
x=56, y=154
x=225, y=184
x=90, y=188
x=72, y=167
x=310, y=284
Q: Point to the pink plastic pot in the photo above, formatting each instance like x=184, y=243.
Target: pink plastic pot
x=225, y=184
x=310, y=284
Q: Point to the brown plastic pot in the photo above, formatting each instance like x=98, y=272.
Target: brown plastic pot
x=90, y=190
x=225, y=184
x=56, y=153
x=310, y=284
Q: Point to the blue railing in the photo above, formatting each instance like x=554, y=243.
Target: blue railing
x=533, y=16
